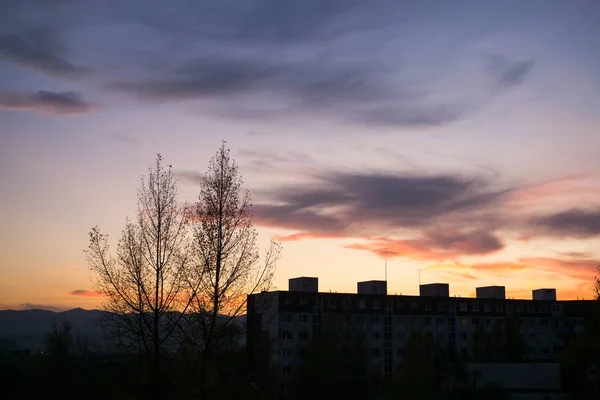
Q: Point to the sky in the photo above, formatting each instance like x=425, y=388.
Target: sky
x=453, y=141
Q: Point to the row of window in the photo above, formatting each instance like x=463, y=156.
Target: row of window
x=440, y=306
x=426, y=321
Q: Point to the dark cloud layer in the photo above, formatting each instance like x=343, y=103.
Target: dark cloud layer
x=359, y=204
x=38, y=49
x=341, y=60
x=45, y=101
x=506, y=72
x=576, y=222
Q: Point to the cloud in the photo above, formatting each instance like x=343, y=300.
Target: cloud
x=374, y=202
x=434, y=246
x=188, y=176
x=417, y=216
x=506, y=72
x=35, y=306
x=351, y=91
x=349, y=61
x=45, y=101
x=576, y=222
x=126, y=139
x=573, y=268
x=38, y=49
x=85, y=293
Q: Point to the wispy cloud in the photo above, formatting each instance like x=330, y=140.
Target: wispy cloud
x=45, y=102
x=370, y=202
x=434, y=246
x=85, y=293
x=576, y=222
x=191, y=177
x=39, y=49
x=507, y=72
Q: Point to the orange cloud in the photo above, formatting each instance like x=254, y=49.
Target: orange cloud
x=85, y=293
x=436, y=245
x=533, y=193
x=302, y=236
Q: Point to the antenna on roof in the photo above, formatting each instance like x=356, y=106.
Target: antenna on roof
x=385, y=263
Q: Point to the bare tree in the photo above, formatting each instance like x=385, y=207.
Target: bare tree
x=149, y=283
x=225, y=243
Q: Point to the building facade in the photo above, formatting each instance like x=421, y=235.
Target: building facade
x=281, y=322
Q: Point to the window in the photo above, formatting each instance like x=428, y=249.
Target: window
x=400, y=351
x=439, y=321
x=462, y=307
x=475, y=306
x=287, y=388
x=347, y=303
x=475, y=321
x=488, y=321
x=531, y=337
x=376, y=304
x=556, y=308
x=289, y=301
x=426, y=321
x=319, y=302
x=288, y=318
x=499, y=307
x=361, y=304
x=286, y=369
x=427, y=307
x=286, y=335
x=375, y=353
x=401, y=335
x=331, y=303
x=399, y=304
x=389, y=304
x=303, y=301
x=519, y=308
x=543, y=308
x=509, y=308
x=414, y=321
x=376, y=336
x=360, y=319
x=286, y=353
x=303, y=335
x=487, y=307
x=303, y=318
x=375, y=319
x=545, y=350
x=414, y=305
x=464, y=322
x=440, y=306
x=316, y=319
x=530, y=308
x=544, y=322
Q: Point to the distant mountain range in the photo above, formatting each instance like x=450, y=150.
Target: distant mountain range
x=27, y=329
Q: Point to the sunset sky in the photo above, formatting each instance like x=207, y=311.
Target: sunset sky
x=457, y=137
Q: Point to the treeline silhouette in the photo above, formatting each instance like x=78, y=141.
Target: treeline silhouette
x=333, y=365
